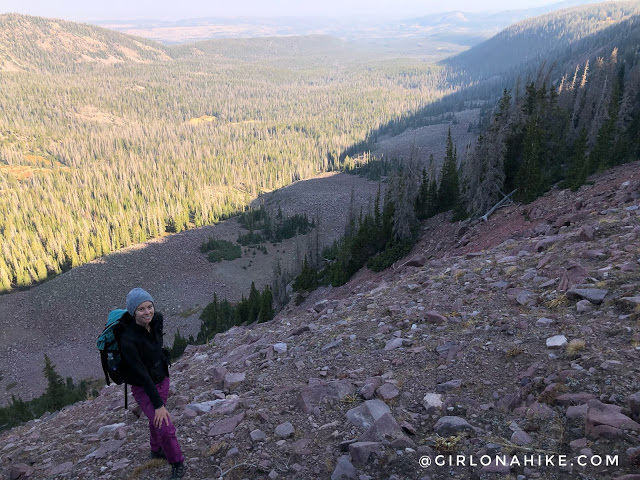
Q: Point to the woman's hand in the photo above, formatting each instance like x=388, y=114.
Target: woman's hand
x=162, y=415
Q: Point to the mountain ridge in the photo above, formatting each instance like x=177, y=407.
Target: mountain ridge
x=38, y=43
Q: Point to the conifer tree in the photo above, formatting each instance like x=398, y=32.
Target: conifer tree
x=266, y=305
x=448, y=192
x=578, y=165
x=528, y=180
x=56, y=393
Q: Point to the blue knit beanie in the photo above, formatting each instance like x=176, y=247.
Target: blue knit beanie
x=135, y=297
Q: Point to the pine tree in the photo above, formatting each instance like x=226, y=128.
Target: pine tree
x=254, y=303
x=56, y=393
x=528, y=179
x=578, y=166
x=448, y=192
x=266, y=305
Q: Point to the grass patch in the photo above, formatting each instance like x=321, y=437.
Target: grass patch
x=448, y=444
x=510, y=270
x=12, y=385
x=576, y=346
x=150, y=465
x=188, y=313
x=514, y=352
x=558, y=302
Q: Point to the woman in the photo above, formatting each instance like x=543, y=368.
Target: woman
x=148, y=374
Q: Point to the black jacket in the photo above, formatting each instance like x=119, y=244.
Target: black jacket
x=146, y=363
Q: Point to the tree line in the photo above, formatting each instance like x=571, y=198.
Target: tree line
x=557, y=134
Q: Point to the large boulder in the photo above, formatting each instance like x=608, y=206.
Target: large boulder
x=386, y=429
x=225, y=426
x=594, y=295
x=601, y=414
x=365, y=415
x=452, y=425
x=314, y=395
x=344, y=469
x=361, y=451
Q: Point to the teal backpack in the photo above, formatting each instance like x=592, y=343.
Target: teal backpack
x=109, y=345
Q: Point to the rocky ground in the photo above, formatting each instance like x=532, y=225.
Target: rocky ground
x=501, y=350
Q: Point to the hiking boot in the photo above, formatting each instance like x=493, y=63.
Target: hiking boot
x=155, y=454
x=177, y=471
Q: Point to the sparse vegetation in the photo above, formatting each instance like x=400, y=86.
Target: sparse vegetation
x=576, y=346
x=59, y=394
x=514, y=352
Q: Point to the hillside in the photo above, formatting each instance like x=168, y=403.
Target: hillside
x=543, y=37
x=500, y=340
x=43, y=44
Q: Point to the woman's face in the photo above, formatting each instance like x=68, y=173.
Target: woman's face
x=144, y=314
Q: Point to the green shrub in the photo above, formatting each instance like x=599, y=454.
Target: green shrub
x=221, y=250
x=390, y=255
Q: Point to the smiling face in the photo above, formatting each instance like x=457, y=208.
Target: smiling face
x=144, y=314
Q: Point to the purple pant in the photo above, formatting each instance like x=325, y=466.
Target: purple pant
x=164, y=437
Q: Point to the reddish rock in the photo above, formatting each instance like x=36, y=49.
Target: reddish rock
x=312, y=396
x=578, y=412
x=387, y=391
x=540, y=411
x=386, y=428
x=586, y=234
x=417, y=261
x=572, y=276
x=574, y=398
x=20, y=471
x=225, y=426
x=368, y=390
x=361, y=451
x=578, y=444
x=604, y=431
x=434, y=317
x=547, y=242
x=609, y=418
x=452, y=425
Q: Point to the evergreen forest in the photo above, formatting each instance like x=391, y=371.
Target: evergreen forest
x=97, y=157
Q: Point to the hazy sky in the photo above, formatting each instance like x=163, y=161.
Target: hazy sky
x=88, y=10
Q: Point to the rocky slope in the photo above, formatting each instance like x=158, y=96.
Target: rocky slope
x=513, y=342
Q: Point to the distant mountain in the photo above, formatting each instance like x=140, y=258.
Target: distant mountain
x=487, y=21
x=457, y=27
x=546, y=36
x=36, y=43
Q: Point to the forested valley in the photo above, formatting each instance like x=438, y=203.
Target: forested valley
x=100, y=157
